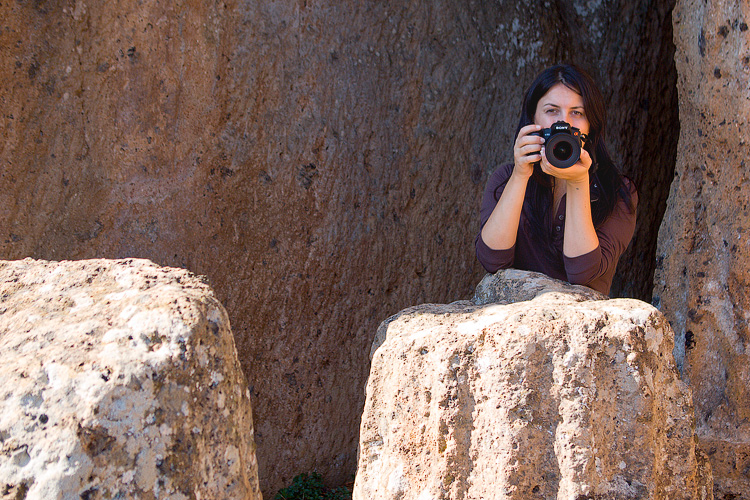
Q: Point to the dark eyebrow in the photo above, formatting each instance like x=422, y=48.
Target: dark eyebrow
x=557, y=106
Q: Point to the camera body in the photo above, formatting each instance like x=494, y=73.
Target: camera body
x=562, y=144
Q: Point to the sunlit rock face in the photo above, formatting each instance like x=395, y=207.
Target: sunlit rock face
x=535, y=389
x=322, y=163
x=119, y=379
x=703, y=274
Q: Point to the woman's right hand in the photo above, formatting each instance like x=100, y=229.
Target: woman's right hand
x=501, y=229
x=527, y=150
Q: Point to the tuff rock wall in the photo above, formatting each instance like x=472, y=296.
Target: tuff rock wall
x=321, y=162
x=703, y=270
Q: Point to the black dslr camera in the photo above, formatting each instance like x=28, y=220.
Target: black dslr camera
x=562, y=144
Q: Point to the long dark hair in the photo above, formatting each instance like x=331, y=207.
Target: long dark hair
x=607, y=183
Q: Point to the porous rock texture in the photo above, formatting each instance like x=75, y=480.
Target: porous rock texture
x=119, y=379
x=535, y=389
x=703, y=278
x=321, y=162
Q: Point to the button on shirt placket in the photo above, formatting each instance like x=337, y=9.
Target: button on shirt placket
x=559, y=225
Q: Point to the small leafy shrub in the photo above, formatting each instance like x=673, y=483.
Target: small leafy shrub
x=311, y=487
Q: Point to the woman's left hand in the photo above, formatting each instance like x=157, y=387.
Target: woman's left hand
x=576, y=173
x=580, y=236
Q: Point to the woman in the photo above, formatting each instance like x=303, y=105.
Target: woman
x=569, y=223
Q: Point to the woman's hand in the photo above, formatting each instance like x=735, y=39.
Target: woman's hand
x=580, y=236
x=575, y=174
x=501, y=229
x=527, y=150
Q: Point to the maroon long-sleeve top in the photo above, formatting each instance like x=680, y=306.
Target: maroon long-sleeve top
x=594, y=269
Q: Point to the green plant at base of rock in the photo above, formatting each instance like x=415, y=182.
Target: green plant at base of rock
x=311, y=487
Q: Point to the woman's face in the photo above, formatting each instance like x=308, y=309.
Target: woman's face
x=561, y=103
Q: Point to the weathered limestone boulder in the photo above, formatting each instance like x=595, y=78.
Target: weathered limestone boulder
x=321, y=162
x=703, y=276
x=562, y=395
x=119, y=379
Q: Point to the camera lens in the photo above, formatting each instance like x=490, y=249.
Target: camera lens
x=563, y=150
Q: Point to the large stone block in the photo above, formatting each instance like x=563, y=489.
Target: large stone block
x=119, y=379
x=703, y=273
x=560, y=395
